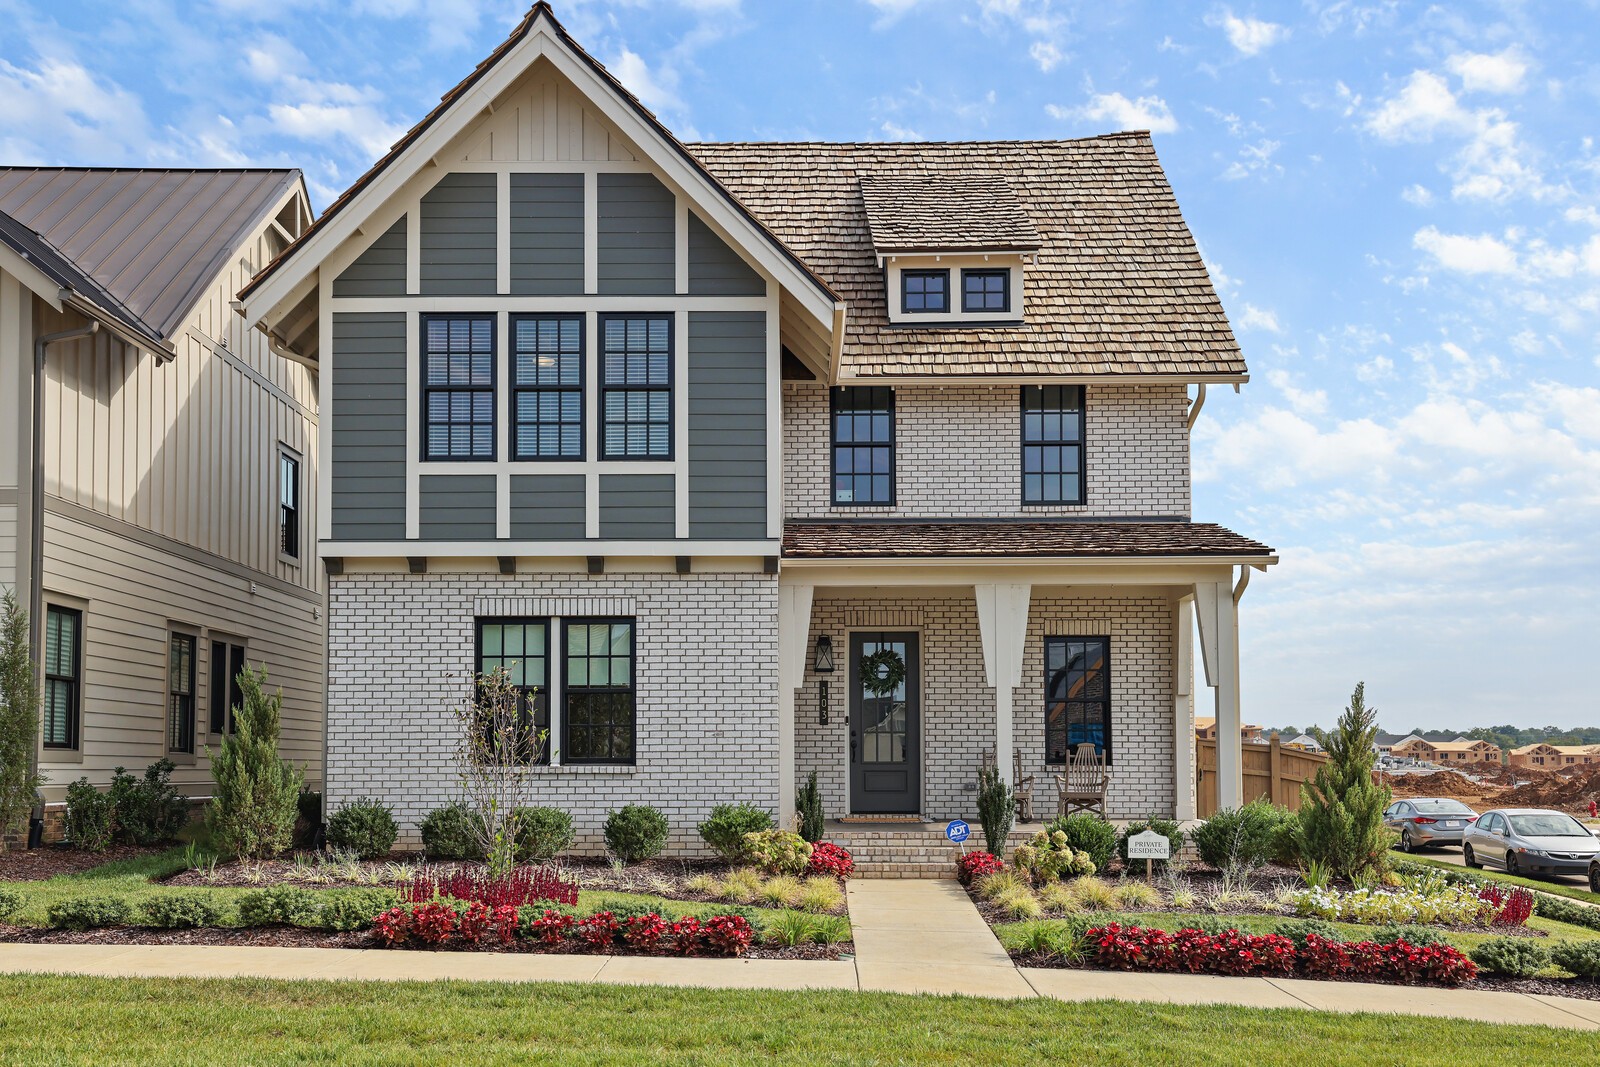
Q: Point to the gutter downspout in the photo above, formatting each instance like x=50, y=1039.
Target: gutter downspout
x=1199, y=402
x=36, y=552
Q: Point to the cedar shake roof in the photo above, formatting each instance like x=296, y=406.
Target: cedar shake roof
x=945, y=213
x=1117, y=286
x=898, y=540
x=152, y=239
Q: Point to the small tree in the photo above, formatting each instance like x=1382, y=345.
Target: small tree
x=810, y=804
x=996, y=808
x=1341, y=810
x=257, y=793
x=497, y=744
x=19, y=715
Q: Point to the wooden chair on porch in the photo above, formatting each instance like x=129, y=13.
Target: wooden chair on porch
x=1083, y=787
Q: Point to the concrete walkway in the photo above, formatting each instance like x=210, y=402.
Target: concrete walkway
x=922, y=936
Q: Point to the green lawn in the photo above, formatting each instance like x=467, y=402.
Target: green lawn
x=1557, y=889
x=187, y=1021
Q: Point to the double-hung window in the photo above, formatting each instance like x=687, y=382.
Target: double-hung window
x=547, y=387
x=227, y=663
x=180, y=693
x=636, y=386
x=521, y=648
x=63, y=670
x=458, y=387
x=924, y=292
x=1052, y=444
x=1077, y=696
x=863, y=445
x=598, y=717
x=288, y=504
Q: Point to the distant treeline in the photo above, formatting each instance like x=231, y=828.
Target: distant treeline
x=1507, y=737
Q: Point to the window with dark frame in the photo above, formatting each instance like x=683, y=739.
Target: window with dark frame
x=458, y=387
x=520, y=647
x=180, y=693
x=288, y=504
x=598, y=713
x=1052, y=444
x=227, y=663
x=63, y=666
x=985, y=290
x=636, y=386
x=1077, y=696
x=863, y=445
x=547, y=387
x=924, y=292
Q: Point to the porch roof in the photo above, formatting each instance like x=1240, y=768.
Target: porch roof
x=1000, y=539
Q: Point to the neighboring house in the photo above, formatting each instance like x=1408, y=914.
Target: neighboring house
x=178, y=465
x=636, y=420
x=1205, y=729
x=1384, y=743
x=1460, y=750
x=1555, y=756
x=1305, y=742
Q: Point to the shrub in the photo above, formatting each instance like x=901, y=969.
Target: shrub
x=87, y=913
x=1048, y=857
x=997, y=807
x=286, y=904
x=809, y=803
x=147, y=810
x=1581, y=958
x=778, y=851
x=1088, y=833
x=1297, y=930
x=972, y=866
x=364, y=827
x=308, y=806
x=727, y=934
x=1240, y=840
x=523, y=885
x=88, y=817
x=1136, y=896
x=1410, y=933
x=354, y=910
x=1165, y=827
x=541, y=833
x=636, y=832
x=447, y=834
x=1569, y=911
x=177, y=911
x=257, y=792
x=19, y=713
x=820, y=893
x=725, y=829
x=1514, y=957
x=10, y=902
x=830, y=859
x=1341, y=810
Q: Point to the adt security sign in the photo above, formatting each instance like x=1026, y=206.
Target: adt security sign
x=958, y=831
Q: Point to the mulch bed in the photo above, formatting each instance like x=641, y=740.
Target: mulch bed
x=35, y=865
x=299, y=937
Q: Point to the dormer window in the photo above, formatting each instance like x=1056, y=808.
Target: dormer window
x=986, y=291
x=924, y=292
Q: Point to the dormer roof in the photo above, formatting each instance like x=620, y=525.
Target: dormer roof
x=956, y=212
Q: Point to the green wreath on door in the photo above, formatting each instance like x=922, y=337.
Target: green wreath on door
x=882, y=672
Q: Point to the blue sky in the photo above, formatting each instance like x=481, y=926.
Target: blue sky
x=1400, y=204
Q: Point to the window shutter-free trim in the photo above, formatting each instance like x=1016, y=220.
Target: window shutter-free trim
x=547, y=386
x=861, y=429
x=1077, y=696
x=599, y=706
x=636, y=383
x=63, y=675
x=459, y=381
x=181, y=652
x=1053, y=452
x=521, y=646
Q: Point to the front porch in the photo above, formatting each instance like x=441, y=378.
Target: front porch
x=921, y=850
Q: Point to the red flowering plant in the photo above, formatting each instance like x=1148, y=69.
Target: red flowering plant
x=551, y=928
x=1507, y=907
x=432, y=924
x=599, y=930
x=830, y=859
x=520, y=886
x=505, y=921
x=392, y=926
x=975, y=865
x=473, y=925
x=728, y=934
x=686, y=935
x=644, y=932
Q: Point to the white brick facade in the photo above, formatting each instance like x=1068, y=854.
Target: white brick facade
x=401, y=649
x=958, y=453
x=958, y=709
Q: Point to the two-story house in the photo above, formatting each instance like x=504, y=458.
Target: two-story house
x=754, y=460
x=157, y=466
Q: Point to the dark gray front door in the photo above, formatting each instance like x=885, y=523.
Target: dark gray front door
x=885, y=734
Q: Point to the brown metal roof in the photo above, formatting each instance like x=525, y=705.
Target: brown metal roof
x=899, y=540
x=153, y=239
x=945, y=213
x=1117, y=287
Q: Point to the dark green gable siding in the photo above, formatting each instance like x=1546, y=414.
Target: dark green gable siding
x=637, y=507
x=637, y=251
x=458, y=236
x=547, y=507
x=380, y=270
x=727, y=425
x=717, y=270
x=369, y=426
x=546, y=234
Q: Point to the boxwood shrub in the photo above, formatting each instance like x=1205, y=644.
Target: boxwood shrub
x=364, y=827
x=1581, y=958
x=1088, y=833
x=725, y=827
x=179, y=910
x=87, y=913
x=447, y=834
x=1514, y=957
x=285, y=904
x=636, y=832
x=353, y=909
x=10, y=902
x=542, y=833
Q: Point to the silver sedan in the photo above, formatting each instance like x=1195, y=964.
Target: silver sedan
x=1423, y=821
x=1530, y=841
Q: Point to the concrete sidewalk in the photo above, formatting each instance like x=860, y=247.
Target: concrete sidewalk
x=923, y=936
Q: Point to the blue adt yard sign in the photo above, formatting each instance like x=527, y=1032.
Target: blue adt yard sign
x=958, y=831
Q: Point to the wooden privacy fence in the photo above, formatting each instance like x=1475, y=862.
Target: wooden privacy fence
x=1271, y=769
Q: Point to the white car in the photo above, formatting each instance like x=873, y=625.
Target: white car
x=1530, y=841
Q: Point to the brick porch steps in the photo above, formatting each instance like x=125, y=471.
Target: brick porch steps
x=911, y=850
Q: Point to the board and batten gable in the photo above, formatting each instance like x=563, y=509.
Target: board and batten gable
x=542, y=208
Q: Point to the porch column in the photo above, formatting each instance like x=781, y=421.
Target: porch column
x=794, y=633
x=1218, y=614
x=1183, y=713
x=1003, y=626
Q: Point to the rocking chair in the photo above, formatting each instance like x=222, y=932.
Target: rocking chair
x=1083, y=786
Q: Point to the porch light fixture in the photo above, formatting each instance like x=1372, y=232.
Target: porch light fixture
x=822, y=663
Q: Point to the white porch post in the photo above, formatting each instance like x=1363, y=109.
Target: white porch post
x=1003, y=627
x=1219, y=646
x=794, y=632
x=1183, y=713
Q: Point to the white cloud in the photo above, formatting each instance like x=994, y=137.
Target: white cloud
x=1482, y=254
x=1376, y=369
x=1254, y=160
x=1423, y=107
x=1502, y=72
x=1046, y=54
x=1417, y=195
x=657, y=88
x=1255, y=318
x=59, y=109
x=1146, y=113
x=1302, y=401
x=1249, y=36
x=900, y=133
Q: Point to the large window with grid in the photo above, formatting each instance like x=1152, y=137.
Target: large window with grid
x=1052, y=444
x=458, y=387
x=227, y=663
x=547, y=387
x=863, y=445
x=636, y=386
x=1077, y=696
x=598, y=718
x=521, y=648
x=63, y=669
x=180, y=693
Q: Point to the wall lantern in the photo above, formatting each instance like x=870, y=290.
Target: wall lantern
x=822, y=663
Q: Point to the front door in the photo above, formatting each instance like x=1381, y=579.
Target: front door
x=885, y=745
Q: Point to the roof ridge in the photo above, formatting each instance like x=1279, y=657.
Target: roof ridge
x=1136, y=135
